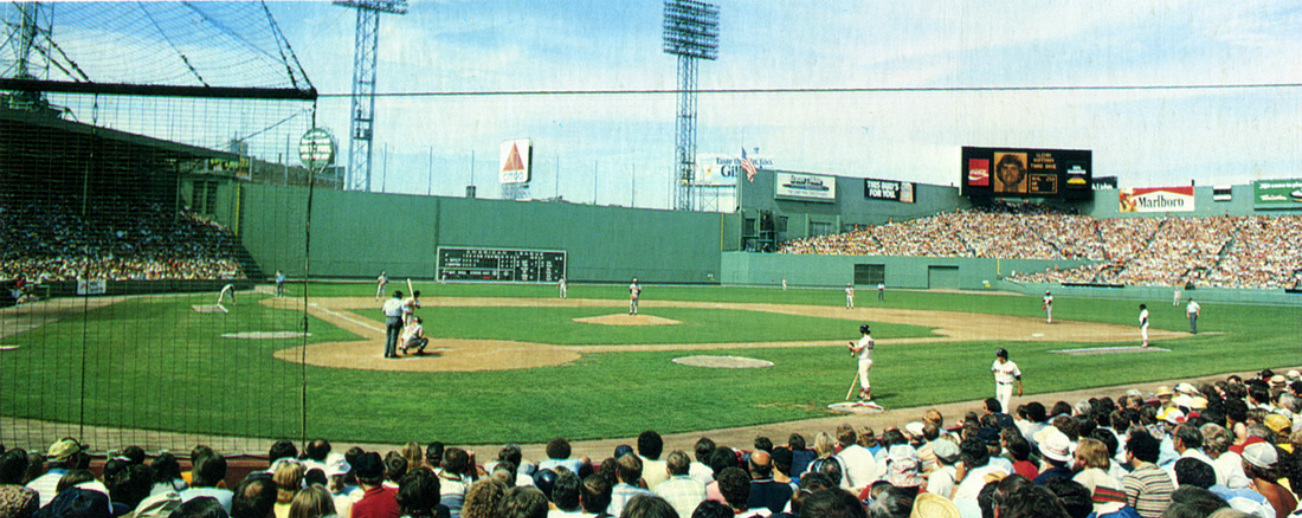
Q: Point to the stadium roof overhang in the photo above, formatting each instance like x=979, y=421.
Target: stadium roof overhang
x=36, y=145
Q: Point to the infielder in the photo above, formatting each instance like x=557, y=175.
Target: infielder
x=280, y=283
x=1006, y=373
x=634, y=293
x=864, y=348
x=1143, y=323
x=881, y=292
x=228, y=289
x=849, y=296
x=1047, y=306
x=562, y=286
x=1192, y=311
x=380, y=282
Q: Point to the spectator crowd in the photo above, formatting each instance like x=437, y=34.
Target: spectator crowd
x=114, y=238
x=1232, y=448
x=1219, y=251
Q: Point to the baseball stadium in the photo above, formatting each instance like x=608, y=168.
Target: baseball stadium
x=188, y=256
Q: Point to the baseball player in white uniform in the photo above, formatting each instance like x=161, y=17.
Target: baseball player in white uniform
x=849, y=296
x=409, y=307
x=228, y=289
x=1143, y=323
x=1006, y=373
x=634, y=293
x=563, y=287
x=1047, y=306
x=864, y=348
x=380, y=282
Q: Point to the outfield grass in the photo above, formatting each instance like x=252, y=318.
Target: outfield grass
x=154, y=363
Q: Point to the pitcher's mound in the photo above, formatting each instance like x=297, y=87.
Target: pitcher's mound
x=628, y=320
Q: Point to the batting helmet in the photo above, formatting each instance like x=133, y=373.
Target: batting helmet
x=1001, y=352
x=865, y=329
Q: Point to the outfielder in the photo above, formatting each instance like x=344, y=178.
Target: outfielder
x=1047, y=306
x=864, y=348
x=380, y=283
x=1006, y=373
x=1192, y=311
x=634, y=293
x=849, y=296
x=562, y=286
x=1143, y=323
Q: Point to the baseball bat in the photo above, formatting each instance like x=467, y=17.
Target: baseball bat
x=853, y=382
x=409, y=288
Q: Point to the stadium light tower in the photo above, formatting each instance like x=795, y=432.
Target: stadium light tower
x=691, y=32
x=363, y=107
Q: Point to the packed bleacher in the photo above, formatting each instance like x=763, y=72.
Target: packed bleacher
x=1231, y=448
x=118, y=238
x=1219, y=251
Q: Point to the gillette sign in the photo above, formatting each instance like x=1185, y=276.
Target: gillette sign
x=1157, y=199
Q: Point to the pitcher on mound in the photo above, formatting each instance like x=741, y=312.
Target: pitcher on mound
x=864, y=348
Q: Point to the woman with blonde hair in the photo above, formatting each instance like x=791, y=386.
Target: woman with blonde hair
x=289, y=479
x=414, y=455
x=825, y=449
x=312, y=502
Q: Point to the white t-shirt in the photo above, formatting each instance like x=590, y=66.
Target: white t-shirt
x=1192, y=308
x=1006, y=372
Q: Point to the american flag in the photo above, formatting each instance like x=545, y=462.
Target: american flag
x=748, y=166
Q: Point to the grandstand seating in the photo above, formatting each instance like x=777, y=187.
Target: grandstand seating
x=1220, y=251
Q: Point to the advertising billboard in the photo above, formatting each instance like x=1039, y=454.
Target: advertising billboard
x=1157, y=199
x=1277, y=194
x=715, y=169
x=888, y=190
x=804, y=187
x=1027, y=173
x=515, y=159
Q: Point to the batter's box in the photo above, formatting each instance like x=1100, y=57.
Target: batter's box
x=856, y=407
x=1089, y=351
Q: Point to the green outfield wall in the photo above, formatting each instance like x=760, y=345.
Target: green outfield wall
x=357, y=235
x=959, y=273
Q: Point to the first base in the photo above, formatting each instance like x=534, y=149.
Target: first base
x=856, y=407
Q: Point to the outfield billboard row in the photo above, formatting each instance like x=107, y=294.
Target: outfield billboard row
x=804, y=187
x=1277, y=194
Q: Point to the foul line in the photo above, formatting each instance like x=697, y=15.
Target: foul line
x=346, y=317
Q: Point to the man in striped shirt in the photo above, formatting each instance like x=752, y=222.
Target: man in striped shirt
x=1148, y=487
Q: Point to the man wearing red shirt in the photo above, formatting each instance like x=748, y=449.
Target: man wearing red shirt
x=377, y=501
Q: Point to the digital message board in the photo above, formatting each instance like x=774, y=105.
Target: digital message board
x=1027, y=173
x=500, y=265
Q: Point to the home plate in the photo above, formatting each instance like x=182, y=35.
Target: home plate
x=1110, y=350
x=856, y=407
x=266, y=335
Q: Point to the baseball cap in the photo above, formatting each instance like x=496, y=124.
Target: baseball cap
x=1261, y=455
x=336, y=464
x=64, y=448
x=1293, y=374
x=369, y=465
x=1277, y=423
x=1174, y=416
x=1163, y=391
x=1186, y=388
x=914, y=428
x=1182, y=400
x=931, y=505
x=945, y=450
x=1056, y=446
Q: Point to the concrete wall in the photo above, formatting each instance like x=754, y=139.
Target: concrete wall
x=359, y=234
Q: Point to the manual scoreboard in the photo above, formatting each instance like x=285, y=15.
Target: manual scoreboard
x=500, y=265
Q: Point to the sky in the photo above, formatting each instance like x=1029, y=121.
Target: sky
x=618, y=149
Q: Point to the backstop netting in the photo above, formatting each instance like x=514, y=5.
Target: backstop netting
x=130, y=313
